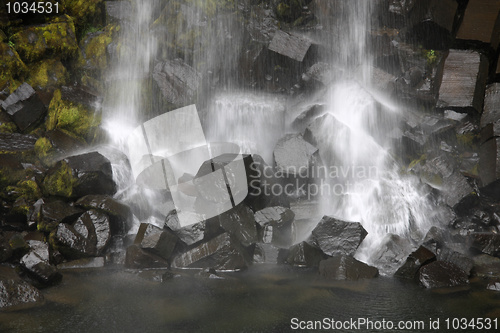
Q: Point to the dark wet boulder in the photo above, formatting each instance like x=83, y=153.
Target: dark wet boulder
x=302, y=255
x=337, y=237
x=138, y=258
x=25, y=108
x=240, y=223
x=486, y=266
x=117, y=11
x=319, y=75
x=190, y=234
x=391, y=253
x=16, y=294
x=463, y=82
x=481, y=22
x=221, y=253
x=80, y=175
x=346, y=268
x=441, y=274
x=82, y=95
x=484, y=242
x=15, y=143
x=307, y=116
x=291, y=46
x=458, y=259
x=54, y=212
x=414, y=262
x=88, y=236
x=158, y=241
x=120, y=214
x=455, y=188
x=275, y=225
x=177, y=81
x=36, y=264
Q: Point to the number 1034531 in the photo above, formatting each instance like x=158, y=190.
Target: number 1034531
x=471, y=324
x=32, y=7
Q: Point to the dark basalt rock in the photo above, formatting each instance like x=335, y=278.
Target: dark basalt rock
x=346, y=268
x=458, y=259
x=265, y=254
x=302, y=255
x=160, y=242
x=464, y=81
x=55, y=212
x=391, y=253
x=486, y=266
x=24, y=107
x=16, y=143
x=177, y=81
x=290, y=45
x=138, y=258
x=221, y=253
x=414, y=262
x=488, y=243
x=117, y=11
x=489, y=165
x=16, y=294
x=81, y=95
x=36, y=264
x=114, y=208
x=337, y=237
x=240, y=223
x=441, y=274
x=293, y=155
x=276, y=225
x=455, y=188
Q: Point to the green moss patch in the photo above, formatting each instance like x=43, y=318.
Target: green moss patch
x=60, y=181
x=47, y=73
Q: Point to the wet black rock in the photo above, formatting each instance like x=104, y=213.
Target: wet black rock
x=177, y=81
x=88, y=236
x=337, y=237
x=13, y=143
x=16, y=294
x=302, y=254
x=221, y=253
x=488, y=243
x=158, y=241
x=464, y=81
x=293, y=156
x=276, y=225
x=138, y=258
x=121, y=215
x=240, y=223
x=24, y=107
x=55, y=212
x=460, y=260
x=117, y=11
x=80, y=175
x=36, y=264
x=290, y=45
x=441, y=274
x=307, y=116
x=391, y=253
x=414, y=262
x=82, y=95
x=455, y=188
x=346, y=268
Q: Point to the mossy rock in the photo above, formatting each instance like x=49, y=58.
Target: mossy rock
x=60, y=181
x=59, y=38
x=47, y=73
x=72, y=118
x=44, y=150
x=27, y=190
x=11, y=68
x=84, y=12
x=6, y=125
x=93, y=48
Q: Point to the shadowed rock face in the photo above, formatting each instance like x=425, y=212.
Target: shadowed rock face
x=440, y=274
x=24, y=107
x=337, y=237
x=16, y=293
x=346, y=268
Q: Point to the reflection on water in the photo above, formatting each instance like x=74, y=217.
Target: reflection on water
x=263, y=299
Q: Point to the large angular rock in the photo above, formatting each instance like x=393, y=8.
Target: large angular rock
x=221, y=253
x=307, y=116
x=391, y=253
x=14, y=143
x=276, y=225
x=337, y=237
x=486, y=266
x=117, y=11
x=458, y=259
x=491, y=113
x=16, y=294
x=290, y=45
x=265, y=254
x=488, y=243
x=441, y=274
x=346, y=268
x=80, y=175
x=293, y=155
x=422, y=256
x=177, y=81
x=455, y=188
x=24, y=107
x=36, y=263
x=121, y=215
x=138, y=258
x=463, y=82
x=303, y=254
x=52, y=213
x=155, y=240
x=240, y=223
x=481, y=22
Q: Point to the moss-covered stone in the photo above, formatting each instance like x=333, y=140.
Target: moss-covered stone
x=6, y=125
x=60, y=181
x=47, y=73
x=11, y=67
x=26, y=189
x=58, y=37
x=83, y=11
x=44, y=150
x=93, y=48
x=72, y=118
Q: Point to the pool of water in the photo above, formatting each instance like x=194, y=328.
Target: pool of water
x=262, y=299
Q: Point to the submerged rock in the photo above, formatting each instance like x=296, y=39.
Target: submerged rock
x=221, y=253
x=337, y=237
x=24, y=107
x=488, y=243
x=440, y=274
x=346, y=268
x=16, y=294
